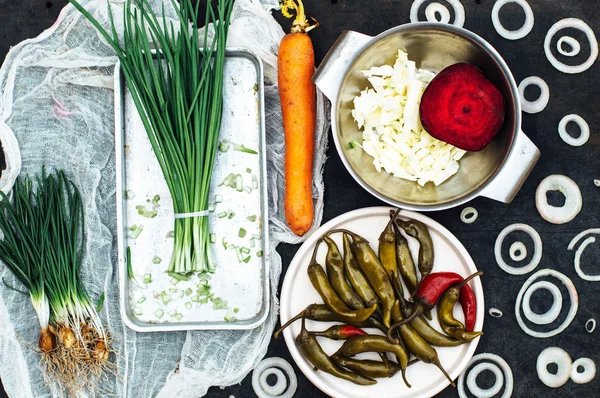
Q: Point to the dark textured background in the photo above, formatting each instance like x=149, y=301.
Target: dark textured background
x=569, y=94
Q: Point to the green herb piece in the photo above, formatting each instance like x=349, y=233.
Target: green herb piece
x=156, y=260
x=242, y=233
x=128, y=261
x=229, y=317
x=147, y=213
x=259, y=253
x=100, y=302
x=141, y=300
x=241, y=148
x=137, y=231
x=239, y=183
x=224, y=146
x=213, y=238
x=219, y=303
x=188, y=305
x=129, y=194
x=252, y=218
x=178, y=276
x=352, y=144
x=159, y=313
x=218, y=198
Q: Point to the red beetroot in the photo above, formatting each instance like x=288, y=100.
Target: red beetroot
x=462, y=107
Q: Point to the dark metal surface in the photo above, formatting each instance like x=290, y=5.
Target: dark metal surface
x=569, y=94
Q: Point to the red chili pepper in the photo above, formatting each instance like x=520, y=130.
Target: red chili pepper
x=431, y=289
x=433, y=286
x=340, y=332
x=469, y=306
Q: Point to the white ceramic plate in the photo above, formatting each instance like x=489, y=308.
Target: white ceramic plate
x=297, y=293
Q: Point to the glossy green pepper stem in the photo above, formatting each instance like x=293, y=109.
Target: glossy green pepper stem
x=420, y=324
x=419, y=231
x=371, y=266
x=334, y=264
x=368, y=368
x=357, y=279
x=416, y=345
x=312, y=351
x=406, y=264
x=322, y=313
x=319, y=280
x=372, y=343
x=450, y=325
x=387, y=247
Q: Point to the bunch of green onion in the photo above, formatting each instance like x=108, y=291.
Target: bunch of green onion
x=176, y=82
x=42, y=245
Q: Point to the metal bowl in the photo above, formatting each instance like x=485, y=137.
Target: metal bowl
x=497, y=171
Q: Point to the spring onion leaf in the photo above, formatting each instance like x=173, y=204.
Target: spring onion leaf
x=242, y=233
x=137, y=231
x=129, y=267
x=178, y=92
x=156, y=260
x=100, y=302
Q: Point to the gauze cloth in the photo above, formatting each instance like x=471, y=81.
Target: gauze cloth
x=57, y=99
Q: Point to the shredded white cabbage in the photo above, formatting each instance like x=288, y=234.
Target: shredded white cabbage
x=393, y=135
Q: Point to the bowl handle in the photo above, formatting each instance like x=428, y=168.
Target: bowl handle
x=328, y=77
x=515, y=170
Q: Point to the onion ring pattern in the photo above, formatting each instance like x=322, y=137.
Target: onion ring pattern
x=571, y=42
x=495, y=312
x=539, y=104
x=559, y=357
x=517, y=251
x=537, y=251
x=579, y=25
x=572, y=309
x=589, y=371
x=590, y=325
x=512, y=34
x=584, y=129
x=468, y=215
x=573, y=199
x=274, y=366
x=554, y=311
x=459, y=12
x=496, y=362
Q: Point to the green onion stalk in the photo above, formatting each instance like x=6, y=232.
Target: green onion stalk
x=43, y=246
x=21, y=229
x=176, y=82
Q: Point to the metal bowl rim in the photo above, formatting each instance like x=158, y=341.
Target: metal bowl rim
x=450, y=29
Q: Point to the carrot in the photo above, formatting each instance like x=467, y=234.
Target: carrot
x=296, y=66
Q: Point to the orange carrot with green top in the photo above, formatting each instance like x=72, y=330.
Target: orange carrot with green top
x=296, y=66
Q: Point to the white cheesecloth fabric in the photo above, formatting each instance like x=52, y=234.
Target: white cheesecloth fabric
x=57, y=98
